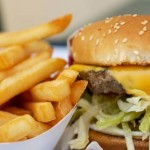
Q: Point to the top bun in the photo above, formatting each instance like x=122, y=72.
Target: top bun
x=121, y=40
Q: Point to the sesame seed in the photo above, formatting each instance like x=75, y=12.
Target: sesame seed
x=117, y=27
x=144, y=28
x=116, y=24
x=97, y=41
x=136, y=52
x=134, y=15
x=109, y=31
x=141, y=32
x=104, y=34
x=144, y=22
x=122, y=23
x=124, y=40
x=116, y=41
x=106, y=21
x=83, y=38
x=91, y=37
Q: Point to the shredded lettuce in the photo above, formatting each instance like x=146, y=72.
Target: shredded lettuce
x=133, y=104
x=128, y=136
x=109, y=112
x=83, y=138
x=83, y=103
x=131, y=116
x=145, y=122
x=83, y=125
x=110, y=120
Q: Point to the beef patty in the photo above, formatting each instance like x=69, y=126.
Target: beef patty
x=101, y=82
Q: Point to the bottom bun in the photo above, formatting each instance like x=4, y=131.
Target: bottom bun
x=109, y=142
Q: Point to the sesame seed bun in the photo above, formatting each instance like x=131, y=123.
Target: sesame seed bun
x=121, y=40
x=109, y=142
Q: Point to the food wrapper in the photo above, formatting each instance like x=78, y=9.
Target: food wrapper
x=94, y=146
x=45, y=141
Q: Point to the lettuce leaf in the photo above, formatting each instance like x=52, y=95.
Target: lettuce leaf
x=135, y=104
x=145, y=122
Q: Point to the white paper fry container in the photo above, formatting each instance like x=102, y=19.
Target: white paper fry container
x=45, y=141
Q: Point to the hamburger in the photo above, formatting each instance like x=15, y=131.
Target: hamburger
x=113, y=55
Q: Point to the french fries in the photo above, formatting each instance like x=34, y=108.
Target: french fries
x=36, y=33
x=38, y=47
x=55, y=90
x=42, y=111
x=6, y=116
x=8, y=57
x=25, y=66
x=21, y=126
x=28, y=78
x=77, y=89
x=16, y=110
x=69, y=75
x=40, y=127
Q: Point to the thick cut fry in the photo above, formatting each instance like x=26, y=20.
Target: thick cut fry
x=69, y=75
x=41, y=111
x=62, y=108
x=11, y=56
x=24, y=65
x=26, y=79
x=6, y=116
x=38, y=47
x=40, y=128
x=36, y=33
x=55, y=90
x=77, y=89
x=17, y=128
x=16, y=110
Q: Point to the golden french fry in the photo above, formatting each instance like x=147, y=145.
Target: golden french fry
x=62, y=108
x=55, y=90
x=77, y=89
x=38, y=46
x=40, y=128
x=36, y=33
x=11, y=56
x=30, y=62
x=6, y=116
x=41, y=111
x=69, y=75
x=16, y=110
x=17, y=128
x=26, y=79
x=24, y=65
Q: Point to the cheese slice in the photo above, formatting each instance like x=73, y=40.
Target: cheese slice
x=80, y=68
x=130, y=77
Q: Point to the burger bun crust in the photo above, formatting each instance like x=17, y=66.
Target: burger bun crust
x=121, y=40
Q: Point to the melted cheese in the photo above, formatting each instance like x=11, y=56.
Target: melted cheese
x=80, y=68
x=132, y=78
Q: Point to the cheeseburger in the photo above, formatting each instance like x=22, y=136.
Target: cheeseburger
x=113, y=55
